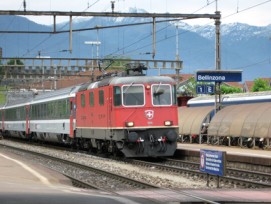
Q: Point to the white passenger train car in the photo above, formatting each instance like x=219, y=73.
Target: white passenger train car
x=15, y=119
x=52, y=115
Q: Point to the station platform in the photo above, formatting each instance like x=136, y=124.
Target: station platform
x=234, y=154
x=204, y=196
x=23, y=182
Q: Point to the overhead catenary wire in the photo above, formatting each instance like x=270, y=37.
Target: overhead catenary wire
x=123, y=48
x=208, y=3
x=30, y=50
x=47, y=38
x=248, y=8
x=245, y=9
x=11, y=21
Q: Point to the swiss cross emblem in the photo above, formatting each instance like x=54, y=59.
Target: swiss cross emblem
x=149, y=114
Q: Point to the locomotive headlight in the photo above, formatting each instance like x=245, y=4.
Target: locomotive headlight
x=168, y=123
x=129, y=124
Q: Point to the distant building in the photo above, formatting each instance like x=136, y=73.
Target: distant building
x=249, y=84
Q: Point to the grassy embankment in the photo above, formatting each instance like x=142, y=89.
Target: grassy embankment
x=2, y=95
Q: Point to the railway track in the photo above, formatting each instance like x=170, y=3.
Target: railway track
x=82, y=184
x=234, y=177
x=107, y=181
x=238, y=177
x=265, y=178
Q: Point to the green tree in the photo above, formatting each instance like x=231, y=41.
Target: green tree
x=10, y=68
x=12, y=62
x=229, y=89
x=189, y=89
x=260, y=85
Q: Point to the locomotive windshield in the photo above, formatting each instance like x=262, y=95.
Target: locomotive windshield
x=161, y=94
x=133, y=95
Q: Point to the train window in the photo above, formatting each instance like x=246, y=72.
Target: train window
x=32, y=111
x=161, y=94
x=133, y=95
x=35, y=112
x=117, y=96
x=83, y=102
x=18, y=114
x=51, y=108
x=91, y=99
x=101, y=97
x=45, y=110
x=60, y=109
x=38, y=111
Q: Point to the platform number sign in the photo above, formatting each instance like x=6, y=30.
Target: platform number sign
x=210, y=89
x=200, y=89
x=205, y=89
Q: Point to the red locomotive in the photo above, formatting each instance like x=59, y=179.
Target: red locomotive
x=129, y=113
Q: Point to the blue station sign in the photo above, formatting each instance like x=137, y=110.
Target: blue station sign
x=219, y=75
x=213, y=162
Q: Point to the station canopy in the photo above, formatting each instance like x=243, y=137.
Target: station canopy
x=246, y=120
x=191, y=119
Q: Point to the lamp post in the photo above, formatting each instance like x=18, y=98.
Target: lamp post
x=97, y=43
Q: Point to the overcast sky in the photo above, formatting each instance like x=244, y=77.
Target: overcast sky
x=253, y=12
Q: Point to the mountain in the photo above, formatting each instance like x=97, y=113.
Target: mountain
x=243, y=46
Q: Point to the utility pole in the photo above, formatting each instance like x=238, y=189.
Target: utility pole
x=217, y=63
x=24, y=4
x=97, y=43
x=177, y=54
x=112, y=6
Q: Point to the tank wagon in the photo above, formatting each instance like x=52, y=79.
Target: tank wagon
x=243, y=120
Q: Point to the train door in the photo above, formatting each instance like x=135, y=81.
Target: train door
x=109, y=110
x=27, y=111
x=2, y=119
x=72, y=116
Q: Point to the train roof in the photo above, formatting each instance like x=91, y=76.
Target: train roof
x=16, y=99
x=232, y=97
x=126, y=80
x=141, y=79
x=55, y=95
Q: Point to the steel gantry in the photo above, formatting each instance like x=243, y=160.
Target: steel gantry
x=154, y=16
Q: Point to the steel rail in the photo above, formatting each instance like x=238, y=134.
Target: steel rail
x=89, y=186
x=190, y=171
x=233, y=172
x=123, y=179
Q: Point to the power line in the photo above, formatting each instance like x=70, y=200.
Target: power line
x=264, y=61
x=47, y=38
x=11, y=21
x=248, y=8
x=195, y=27
x=123, y=48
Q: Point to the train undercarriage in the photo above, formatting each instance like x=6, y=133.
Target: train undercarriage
x=132, y=143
